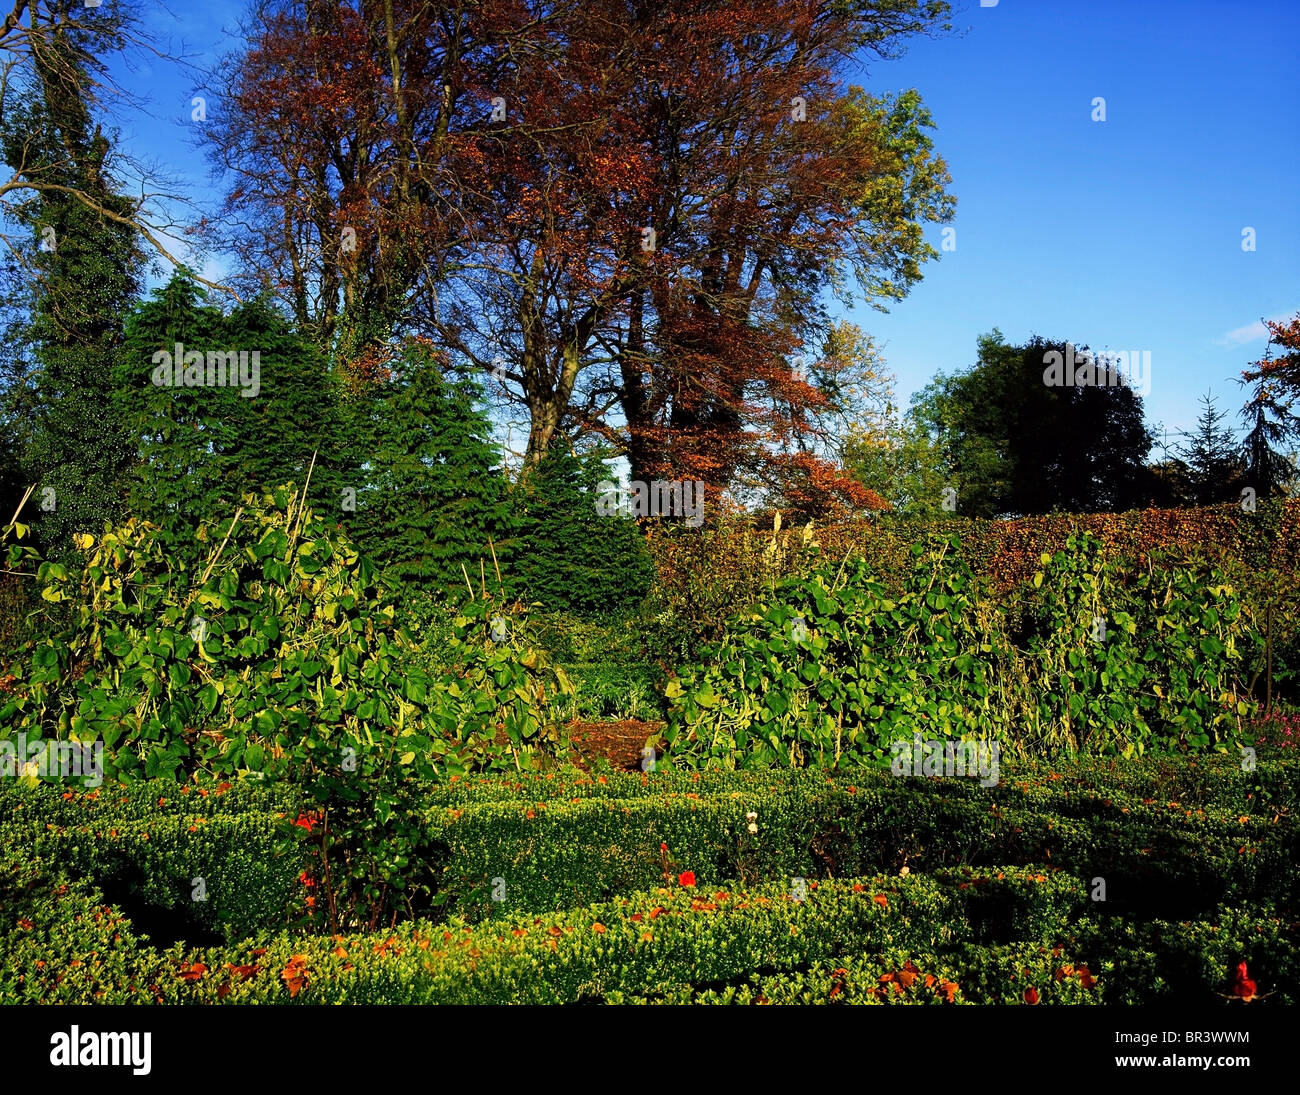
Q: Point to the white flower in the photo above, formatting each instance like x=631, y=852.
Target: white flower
x=904, y=871
x=752, y=827
x=751, y=816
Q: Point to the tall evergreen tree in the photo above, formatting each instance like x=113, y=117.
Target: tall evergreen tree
x=1213, y=457
x=86, y=265
x=259, y=404
x=1270, y=428
x=571, y=558
x=433, y=500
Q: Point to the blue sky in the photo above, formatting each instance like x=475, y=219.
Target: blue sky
x=1124, y=234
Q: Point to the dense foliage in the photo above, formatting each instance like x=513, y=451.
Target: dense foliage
x=203, y=447
x=1015, y=444
x=835, y=667
x=280, y=655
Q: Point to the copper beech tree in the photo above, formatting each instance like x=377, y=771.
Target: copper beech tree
x=628, y=216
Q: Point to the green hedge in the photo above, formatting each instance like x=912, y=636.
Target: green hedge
x=187, y=865
x=1168, y=839
x=638, y=943
x=918, y=939
x=1154, y=856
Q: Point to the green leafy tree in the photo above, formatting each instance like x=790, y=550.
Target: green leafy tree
x=902, y=463
x=571, y=558
x=1016, y=444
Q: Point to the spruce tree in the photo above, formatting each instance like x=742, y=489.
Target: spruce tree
x=204, y=447
x=571, y=558
x=177, y=483
x=433, y=501
x=1213, y=457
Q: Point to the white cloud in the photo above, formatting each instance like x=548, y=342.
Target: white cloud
x=1252, y=332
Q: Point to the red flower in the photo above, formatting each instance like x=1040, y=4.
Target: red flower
x=662, y=846
x=1031, y=995
x=305, y=821
x=1243, y=986
x=687, y=878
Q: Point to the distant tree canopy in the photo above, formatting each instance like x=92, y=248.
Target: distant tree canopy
x=1013, y=444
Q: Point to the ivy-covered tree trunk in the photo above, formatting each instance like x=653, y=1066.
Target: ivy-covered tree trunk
x=84, y=264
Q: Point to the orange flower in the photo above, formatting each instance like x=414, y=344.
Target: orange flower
x=881, y=900
x=598, y=928
x=294, y=974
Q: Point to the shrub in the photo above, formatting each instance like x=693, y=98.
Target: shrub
x=187, y=862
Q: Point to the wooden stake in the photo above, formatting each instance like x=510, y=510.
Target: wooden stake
x=238, y=513
x=302, y=508
x=14, y=518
